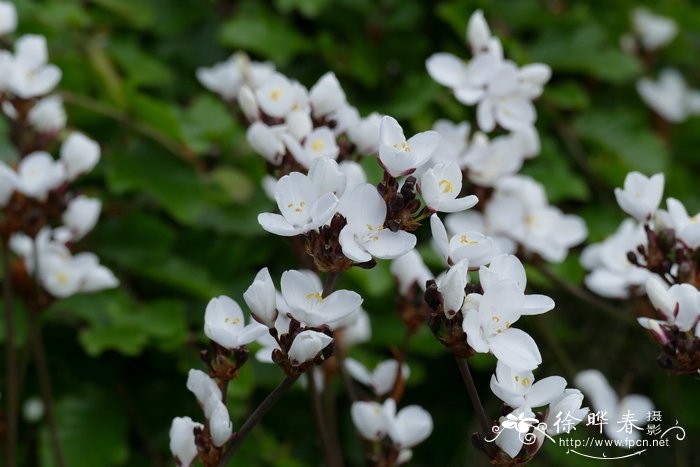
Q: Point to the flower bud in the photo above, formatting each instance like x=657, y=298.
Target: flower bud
x=261, y=298
x=81, y=215
x=80, y=154
x=220, y=425
x=299, y=124
x=307, y=345
x=182, y=444
x=248, y=104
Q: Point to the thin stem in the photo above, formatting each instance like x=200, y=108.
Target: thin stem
x=582, y=294
x=11, y=391
x=255, y=418
x=463, y=366
x=42, y=367
x=330, y=451
x=44, y=377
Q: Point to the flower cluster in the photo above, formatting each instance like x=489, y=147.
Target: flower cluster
x=669, y=96
x=514, y=210
x=43, y=218
x=663, y=261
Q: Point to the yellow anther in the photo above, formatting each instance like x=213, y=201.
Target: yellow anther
x=403, y=145
x=290, y=205
x=317, y=145
x=517, y=378
x=465, y=241
x=446, y=185
x=276, y=94
x=508, y=324
x=62, y=278
x=232, y=321
x=315, y=295
x=496, y=318
x=525, y=381
x=369, y=227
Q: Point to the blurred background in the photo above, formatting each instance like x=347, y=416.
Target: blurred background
x=181, y=193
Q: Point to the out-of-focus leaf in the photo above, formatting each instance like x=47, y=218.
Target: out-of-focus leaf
x=567, y=96
x=308, y=8
x=621, y=134
x=142, y=69
x=91, y=427
x=588, y=50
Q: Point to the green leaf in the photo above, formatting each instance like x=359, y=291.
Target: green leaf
x=141, y=68
x=622, y=134
x=567, y=96
x=125, y=338
x=586, y=49
x=92, y=429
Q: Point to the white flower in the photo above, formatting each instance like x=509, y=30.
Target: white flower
x=81, y=215
x=365, y=133
x=354, y=175
x=248, y=104
x=359, y=330
x=182, y=444
x=301, y=207
x=509, y=268
x=8, y=18
x=519, y=390
x=277, y=95
x=8, y=182
x=451, y=285
x=641, y=195
x=474, y=246
x=410, y=269
x=604, y=399
x=399, y=156
x=299, y=124
x=224, y=324
x=513, y=428
x=303, y=293
x=267, y=141
x=80, y=154
x=568, y=403
x=453, y=141
x=440, y=187
x=220, y=425
x=679, y=304
x=490, y=161
x=38, y=174
x=205, y=389
x=326, y=176
x=488, y=327
x=307, y=345
x=409, y=427
x=319, y=144
x=669, y=96
x=382, y=379
x=364, y=236
x=478, y=32
x=612, y=275
x=369, y=420
x=31, y=76
x=224, y=78
x=48, y=115
x=326, y=95
x=261, y=298
x=687, y=228
x=654, y=31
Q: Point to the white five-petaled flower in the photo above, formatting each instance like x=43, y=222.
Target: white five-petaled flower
x=641, y=195
x=261, y=298
x=440, y=187
x=364, y=236
x=182, y=443
x=400, y=156
x=307, y=345
x=369, y=419
x=365, y=133
x=38, y=173
x=669, y=96
x=276, y=96
x=518, y=388
x=474, y=246
x=382, y=379
x=29, y=74
x=487, y=322
x=301, y=207
x=267, y=141
x=319, y=143
x=224, y=324
x=303, y=294
x=654, y=31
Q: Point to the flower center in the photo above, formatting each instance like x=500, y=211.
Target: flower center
x=276, y=94
x=446, y=185
x=300, y=205
x=403, y=145
x=233, y=321
x=378, y=229
x=464, y=240
x=314, y=295
x=317, y=145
